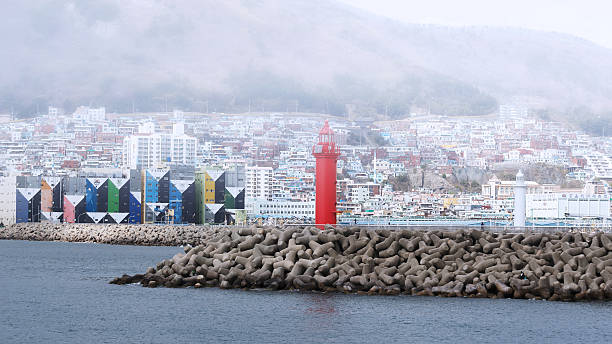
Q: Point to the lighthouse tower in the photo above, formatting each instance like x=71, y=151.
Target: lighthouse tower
x=326, y=152
x=519, y=200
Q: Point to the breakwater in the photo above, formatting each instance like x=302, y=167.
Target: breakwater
x=552, y=266
x=116, y=234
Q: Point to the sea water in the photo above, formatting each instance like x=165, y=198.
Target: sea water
x=59, y=293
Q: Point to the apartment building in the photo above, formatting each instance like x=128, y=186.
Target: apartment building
x=150, y=149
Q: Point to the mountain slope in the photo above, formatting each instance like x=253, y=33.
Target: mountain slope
x=314, y=54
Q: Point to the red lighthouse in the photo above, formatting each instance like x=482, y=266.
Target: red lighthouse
x=326, y=152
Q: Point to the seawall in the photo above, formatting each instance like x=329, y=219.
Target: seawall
x=552, y=266
x=116, y=234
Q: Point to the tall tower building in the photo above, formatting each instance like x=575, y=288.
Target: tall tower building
x=519, y=200
x=326, y=152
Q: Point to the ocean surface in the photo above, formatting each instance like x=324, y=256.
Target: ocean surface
x=59, y=293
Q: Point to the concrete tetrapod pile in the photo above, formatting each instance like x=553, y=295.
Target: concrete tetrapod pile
x=553, y=266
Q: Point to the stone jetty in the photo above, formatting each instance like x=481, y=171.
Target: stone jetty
x=469, y=263
x=116, y=234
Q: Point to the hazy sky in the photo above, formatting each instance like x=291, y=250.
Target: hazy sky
x=590, y=19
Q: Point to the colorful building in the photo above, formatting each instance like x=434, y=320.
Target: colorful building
x=148, y=196
x=28, y=205
x=51, y=194
x=218, y=192
x=135, y=207
x=74, y=207
x=182, y=200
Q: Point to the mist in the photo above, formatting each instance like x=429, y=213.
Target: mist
x=271, y=55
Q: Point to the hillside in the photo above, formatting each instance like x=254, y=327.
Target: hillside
x=277, y=55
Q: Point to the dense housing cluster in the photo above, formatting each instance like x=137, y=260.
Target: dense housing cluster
x=419, y=167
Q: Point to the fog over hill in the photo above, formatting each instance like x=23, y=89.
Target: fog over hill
x=316, y=55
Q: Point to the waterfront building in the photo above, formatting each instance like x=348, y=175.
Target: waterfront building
x=561, y=205
x=182, y=201
x=74, y=208
x=8, y=200
x=51, y=195
x=27, y=207
x=262, y=208
x=219, y=194
x=135, y=207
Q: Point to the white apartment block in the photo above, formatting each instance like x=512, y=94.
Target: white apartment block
x=8, y=200
x=259, y=183
x=149, y=150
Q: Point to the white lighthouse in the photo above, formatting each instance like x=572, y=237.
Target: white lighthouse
x=520, y=189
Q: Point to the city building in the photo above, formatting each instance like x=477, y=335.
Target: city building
x=259, y=183
x=219, y=194
x=8, y=200
x=262, y=208
x=503, y=189
x=394, y=169
x=148, y=149
x=559, y=206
